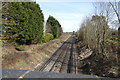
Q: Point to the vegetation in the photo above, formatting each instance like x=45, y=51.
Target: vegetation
x=53, y=27
x=23, y=22
x=47, y=37
x=19, y=48
x=96, y=35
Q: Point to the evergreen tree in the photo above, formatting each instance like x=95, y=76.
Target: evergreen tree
x=28, y=22
x=53, y=27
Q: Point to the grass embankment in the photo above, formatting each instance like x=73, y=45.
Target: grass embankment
x=31, y=56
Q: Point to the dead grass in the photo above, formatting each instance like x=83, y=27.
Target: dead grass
x=33, y=56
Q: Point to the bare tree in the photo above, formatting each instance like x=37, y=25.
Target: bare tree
x=116, y=8
x=95, y=31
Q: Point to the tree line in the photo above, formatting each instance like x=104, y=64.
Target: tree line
x=97, y=34
x=23, y=23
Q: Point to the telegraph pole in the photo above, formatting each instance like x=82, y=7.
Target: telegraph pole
x=119, y=38
x=119, y=22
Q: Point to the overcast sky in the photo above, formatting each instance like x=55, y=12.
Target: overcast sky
x=69, y=14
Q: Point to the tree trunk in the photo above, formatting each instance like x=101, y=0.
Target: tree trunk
x=119, y=33
x=119, y=40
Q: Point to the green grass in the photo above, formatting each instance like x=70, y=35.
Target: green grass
x=113, y=41
x=19, y=47
x=1, y=43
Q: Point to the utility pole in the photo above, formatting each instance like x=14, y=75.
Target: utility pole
x=119, y=38
x=119, y=22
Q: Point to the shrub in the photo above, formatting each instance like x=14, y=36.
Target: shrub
x=18, y=47
x=47, y=37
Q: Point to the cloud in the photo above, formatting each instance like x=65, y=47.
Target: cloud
x=63, y=15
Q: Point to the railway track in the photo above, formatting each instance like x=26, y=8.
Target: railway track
x=64, y=60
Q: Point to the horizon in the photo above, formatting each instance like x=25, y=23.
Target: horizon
x=69, y=14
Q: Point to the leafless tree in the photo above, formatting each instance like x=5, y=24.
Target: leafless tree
x=116, y=8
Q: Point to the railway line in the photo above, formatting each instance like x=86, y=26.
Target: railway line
x=64, y=60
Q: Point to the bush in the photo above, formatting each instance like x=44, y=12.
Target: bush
x=47, y=37
x=18, y=47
